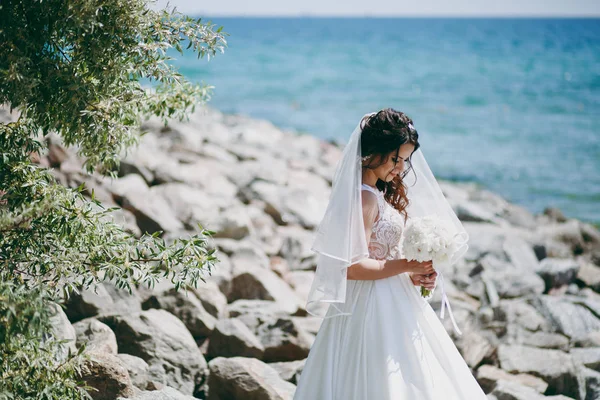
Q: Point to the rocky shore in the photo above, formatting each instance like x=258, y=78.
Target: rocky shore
x=527, y=295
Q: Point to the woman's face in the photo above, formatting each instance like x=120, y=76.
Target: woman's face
x=396, y=162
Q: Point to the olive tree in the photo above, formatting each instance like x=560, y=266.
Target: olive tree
x=81, y=69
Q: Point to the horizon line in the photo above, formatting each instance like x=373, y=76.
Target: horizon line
x=415, y=16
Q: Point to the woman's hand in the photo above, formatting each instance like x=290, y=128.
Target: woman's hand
x=428, y=281
x=420, y=268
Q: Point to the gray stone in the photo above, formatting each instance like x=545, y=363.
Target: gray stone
x=589, y=357
x=152, y=212
x=240, y=378
x=488, y=375
x=557, y=272
x=589, y=274
x=107, y=374
x=520, y=254
x=510, y=390
x=232, y=338
x=512, y=283
x=553, y=366
x=163, y=341
x=264, y=284
x=590, y=339
x=284, y=340
x=212, y=299
x=571, y=319
x=289, y=370
x=137, y=368
x=61, y=329
x=96, y=335
x=185, y=306
x=164, y=393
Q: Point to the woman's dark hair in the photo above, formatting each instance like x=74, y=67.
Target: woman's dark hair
x=382, y=133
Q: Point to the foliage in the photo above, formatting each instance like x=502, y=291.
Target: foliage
x=75, y=68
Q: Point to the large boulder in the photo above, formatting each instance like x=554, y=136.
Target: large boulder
x=553, y=366
x=163, y=341
x=96, y=336
x=557, y=272
x=567, y=317
x=240, y=378
x=106, y=374
x=185, y=306
x=232, y=338
x=284, y=340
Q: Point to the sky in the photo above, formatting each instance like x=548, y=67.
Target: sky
x=466, y=8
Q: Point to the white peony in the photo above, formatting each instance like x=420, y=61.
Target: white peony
x=428, y=238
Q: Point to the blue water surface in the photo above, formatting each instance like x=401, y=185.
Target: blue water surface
x=512, y=104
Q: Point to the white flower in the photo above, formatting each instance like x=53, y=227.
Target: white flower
x=428, y=238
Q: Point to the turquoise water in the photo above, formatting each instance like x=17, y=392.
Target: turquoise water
x=513, y=104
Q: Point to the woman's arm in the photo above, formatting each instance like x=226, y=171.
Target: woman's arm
x=370, y=269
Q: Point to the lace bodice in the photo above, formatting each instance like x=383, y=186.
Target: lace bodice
x=384, y=243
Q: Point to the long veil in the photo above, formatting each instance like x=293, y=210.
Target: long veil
x=340, y=238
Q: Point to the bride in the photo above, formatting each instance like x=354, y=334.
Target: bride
x=380, y=340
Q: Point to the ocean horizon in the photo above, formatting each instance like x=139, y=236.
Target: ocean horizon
x=510, y=103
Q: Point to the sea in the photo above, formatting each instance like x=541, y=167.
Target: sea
x=512, y=104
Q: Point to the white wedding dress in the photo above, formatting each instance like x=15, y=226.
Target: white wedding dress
x=393, y=346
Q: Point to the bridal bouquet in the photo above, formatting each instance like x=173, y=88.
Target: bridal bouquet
x=428, y=238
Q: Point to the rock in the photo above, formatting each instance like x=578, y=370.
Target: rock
x=97, y=336
x=152, y=212
x=137, y=370
x=264, y=229
x=557, y=272
x=545, y=340
x=164, y=393
x=301, y=281
x=553, y=366
x=105, y=373
x=283, y=340
x=310, y=324
x=510, y=390
x=190, y=205
x=289, y=370
x=164, y=342
x=589, y=357
x=555, y=214
x=520, y=254
x=185, y=306
x=589, y=339
x=589, y=382
x=304, y=201
x=474, y=347
x=568, y=233
x=488, y=375
x=571, y=319
x=127, y=168
x=254, y=313
x=88, y=302
x=212, y=299
x=104, y=299
x=473, y=212
x=240, y=378
x=264, y=284
x=232, y=338
x=61, y=329
x=248, y=257
x=512, y=283
x=295, y=248
x=589, y=275
x=484, y=239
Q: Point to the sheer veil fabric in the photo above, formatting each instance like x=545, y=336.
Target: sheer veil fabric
x=340, y=238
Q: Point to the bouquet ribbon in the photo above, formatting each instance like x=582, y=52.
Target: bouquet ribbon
x=446, y=303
